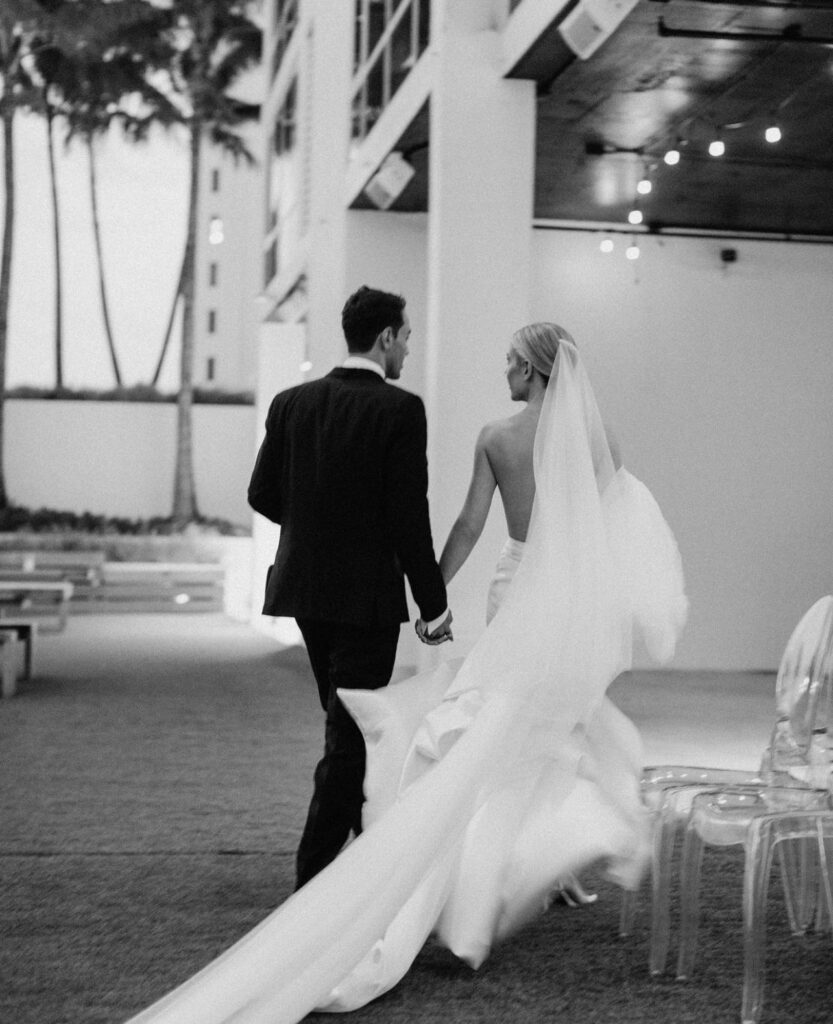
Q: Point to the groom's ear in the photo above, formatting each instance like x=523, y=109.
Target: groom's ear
x=385, y=337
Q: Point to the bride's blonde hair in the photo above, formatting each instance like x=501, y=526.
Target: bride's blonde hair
x=539, y=344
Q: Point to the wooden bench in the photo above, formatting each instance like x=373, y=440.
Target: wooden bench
x=80, y=568
x=159, y=587
x=31, y=596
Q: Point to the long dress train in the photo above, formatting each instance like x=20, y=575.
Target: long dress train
x=491, y=778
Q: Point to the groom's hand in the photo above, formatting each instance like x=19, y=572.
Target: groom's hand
x=439, y=635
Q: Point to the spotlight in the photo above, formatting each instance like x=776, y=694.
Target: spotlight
x=644, y=186
x=773, y=133
x=606, y=245
x=632, y=252
x=717, y=147
x=672, y=156
x=635, y=217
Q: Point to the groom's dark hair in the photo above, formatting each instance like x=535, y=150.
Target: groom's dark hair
x=367, y=313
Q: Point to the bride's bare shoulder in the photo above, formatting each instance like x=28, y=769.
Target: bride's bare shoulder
x=501, y=432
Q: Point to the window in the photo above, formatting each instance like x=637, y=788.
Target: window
x=212, y=321
x=215, y=180
x=212, y=274
x=209, y=368
x=390, y=37
x=215, y=231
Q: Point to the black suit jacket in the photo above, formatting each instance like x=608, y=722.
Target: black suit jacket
x=343, y=470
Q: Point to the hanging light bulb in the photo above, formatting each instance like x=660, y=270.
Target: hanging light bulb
x=772, y=133
x=632, y=251
x=635, y=217
x=606, y=245
x=717, y=147
x=644, y=186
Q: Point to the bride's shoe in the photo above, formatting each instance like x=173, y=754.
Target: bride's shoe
x=572, y=893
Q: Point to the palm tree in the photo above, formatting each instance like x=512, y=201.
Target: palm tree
x=212, y=43
x=101, y=71
x=18, y=18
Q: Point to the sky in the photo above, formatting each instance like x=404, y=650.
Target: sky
x=143, y=207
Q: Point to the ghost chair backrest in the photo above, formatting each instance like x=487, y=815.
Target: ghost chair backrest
x=802, y=692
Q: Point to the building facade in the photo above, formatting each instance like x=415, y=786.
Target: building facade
x=400, y=143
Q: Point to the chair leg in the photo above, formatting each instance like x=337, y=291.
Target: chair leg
x=665, y=833
x=689, y=901
x=627, y=912
x=824, y=907
x=757, y=869
x=799, y=877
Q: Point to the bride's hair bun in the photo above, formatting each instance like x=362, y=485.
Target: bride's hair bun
x=539, y=344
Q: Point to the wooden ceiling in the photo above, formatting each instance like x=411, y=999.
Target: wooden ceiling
x=605, y=123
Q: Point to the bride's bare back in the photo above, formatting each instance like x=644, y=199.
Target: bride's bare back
x=502, y=460
x=508, y=446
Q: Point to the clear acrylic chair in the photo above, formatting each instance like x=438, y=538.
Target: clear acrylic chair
x=812, y=833
x=803, y=705
x=759, y=820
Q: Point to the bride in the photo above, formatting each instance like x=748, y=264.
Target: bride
x=490, y=779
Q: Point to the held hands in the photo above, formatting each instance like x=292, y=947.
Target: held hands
x=440, y=634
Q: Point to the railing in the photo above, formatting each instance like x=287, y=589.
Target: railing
x=391, y=36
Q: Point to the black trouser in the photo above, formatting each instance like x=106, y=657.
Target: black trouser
x=342, y=657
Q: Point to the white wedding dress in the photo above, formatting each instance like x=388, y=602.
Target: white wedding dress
x=491, y=778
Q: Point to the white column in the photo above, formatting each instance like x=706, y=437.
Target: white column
x=280, y=352
x=325, y=98
x=479, y=253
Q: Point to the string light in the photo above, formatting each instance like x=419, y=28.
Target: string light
x=632, y=251
x=635, y=217
x=644, y=186
x=672, y=156
x=717, y=147
x=606, y=245
x=772, y=133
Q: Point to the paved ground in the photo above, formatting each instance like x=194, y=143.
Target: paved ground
x=154, y=782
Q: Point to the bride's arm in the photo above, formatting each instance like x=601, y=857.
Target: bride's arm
x=469, y=524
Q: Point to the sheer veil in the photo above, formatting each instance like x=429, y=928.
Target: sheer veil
x=485, y=782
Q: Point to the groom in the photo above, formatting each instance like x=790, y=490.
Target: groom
x=343, y=470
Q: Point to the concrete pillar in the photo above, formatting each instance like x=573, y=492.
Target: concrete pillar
x=281, y=351
x=325, y=114
x=479, y=272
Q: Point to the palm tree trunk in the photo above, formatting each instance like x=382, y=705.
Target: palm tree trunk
x=102, y=287
x=59, y=336
x=170, y=327
x=185, y=498
x=6, y=277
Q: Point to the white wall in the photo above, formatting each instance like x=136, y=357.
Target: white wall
x=117, y=458
x=718, y=381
